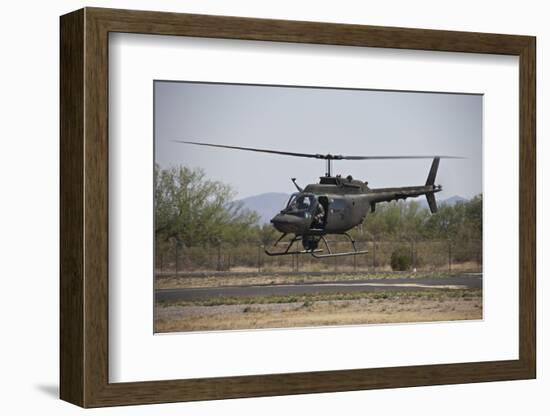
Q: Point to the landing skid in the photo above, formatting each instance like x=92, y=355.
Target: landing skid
x=314, y=252
x=287, y=251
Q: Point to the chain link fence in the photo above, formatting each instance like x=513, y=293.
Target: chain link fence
x=402, y=255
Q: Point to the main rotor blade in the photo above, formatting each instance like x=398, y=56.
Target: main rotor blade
x=251, y=149
x=396, y=157
x=316, y=155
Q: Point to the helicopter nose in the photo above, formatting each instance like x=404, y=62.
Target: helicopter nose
x=288, y=223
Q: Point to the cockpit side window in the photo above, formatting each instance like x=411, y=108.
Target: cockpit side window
x=292, y=200
x=301, y=202
x=304, y=202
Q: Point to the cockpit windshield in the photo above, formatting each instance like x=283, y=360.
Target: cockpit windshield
x=301, y=202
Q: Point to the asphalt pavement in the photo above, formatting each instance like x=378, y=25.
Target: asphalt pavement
x=459, y=281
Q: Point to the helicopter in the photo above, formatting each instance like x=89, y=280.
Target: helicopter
x=336, y=204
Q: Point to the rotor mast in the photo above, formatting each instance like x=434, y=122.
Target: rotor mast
x=329, y=158
x=329, y=168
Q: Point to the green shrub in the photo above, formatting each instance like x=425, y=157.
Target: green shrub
x=401, y=259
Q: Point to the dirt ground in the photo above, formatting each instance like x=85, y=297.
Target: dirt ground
x=444, y=305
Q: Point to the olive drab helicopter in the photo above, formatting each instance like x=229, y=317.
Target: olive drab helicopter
x=336, y=204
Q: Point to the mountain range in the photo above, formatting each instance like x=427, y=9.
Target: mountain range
x=269, y=204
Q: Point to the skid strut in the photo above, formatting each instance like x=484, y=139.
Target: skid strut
x=287, y=251
x=314, y=252
x=355, y=252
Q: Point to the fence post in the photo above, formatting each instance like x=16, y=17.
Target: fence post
x=374, y=255
x=450, y=256
x=413, y=257
x=479, y=253
x=259, y=258
x=176, y=258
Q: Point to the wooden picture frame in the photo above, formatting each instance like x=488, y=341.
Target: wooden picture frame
x=84, y=207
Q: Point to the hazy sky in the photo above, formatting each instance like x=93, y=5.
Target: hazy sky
x=318, y=120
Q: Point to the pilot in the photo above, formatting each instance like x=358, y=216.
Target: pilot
x=303, y=202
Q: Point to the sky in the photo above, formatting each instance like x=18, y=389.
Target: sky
x=318, y=120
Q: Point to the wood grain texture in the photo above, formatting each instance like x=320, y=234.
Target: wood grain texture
x=84, y=207
x=96, y=225
x=527, y=207
x=71, y=100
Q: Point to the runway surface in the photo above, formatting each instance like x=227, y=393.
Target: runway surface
x=459, y=281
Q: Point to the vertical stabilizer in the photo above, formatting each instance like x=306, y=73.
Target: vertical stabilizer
x=433, y=172
x=431, y=202
x=430, y=182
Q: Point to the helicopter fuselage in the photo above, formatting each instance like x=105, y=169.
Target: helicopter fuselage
x=336, y=205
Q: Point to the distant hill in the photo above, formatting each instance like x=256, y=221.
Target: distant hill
x=269, y=204
x=452, y=200
x=266, y=205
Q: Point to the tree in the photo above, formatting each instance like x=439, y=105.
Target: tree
x=410, y=221
x=445, y=223
x=267, y=235
x=461, y=221
x=193, y=210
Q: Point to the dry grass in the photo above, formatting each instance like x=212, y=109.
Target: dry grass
x=325, y=266
x=308, y=313
x=187, y=282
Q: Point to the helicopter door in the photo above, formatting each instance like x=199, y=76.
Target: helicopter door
x=321, y=221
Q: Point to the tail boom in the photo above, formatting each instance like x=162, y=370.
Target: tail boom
x=394, y=194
